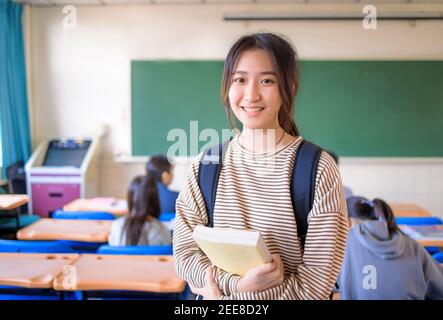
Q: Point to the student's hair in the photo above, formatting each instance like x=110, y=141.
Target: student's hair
x=284, y=60
x=156, y=165
x=143, y=203
x=364, y=209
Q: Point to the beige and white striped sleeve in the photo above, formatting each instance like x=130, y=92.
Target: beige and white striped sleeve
x=190, y=262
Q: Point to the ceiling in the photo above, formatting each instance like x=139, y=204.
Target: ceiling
x=153, y=2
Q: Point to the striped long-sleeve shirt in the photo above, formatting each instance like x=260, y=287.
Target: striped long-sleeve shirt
x=254, y=193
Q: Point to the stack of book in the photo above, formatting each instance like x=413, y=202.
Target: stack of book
x=234, y=251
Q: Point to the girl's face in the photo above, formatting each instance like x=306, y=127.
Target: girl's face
x=254, y=94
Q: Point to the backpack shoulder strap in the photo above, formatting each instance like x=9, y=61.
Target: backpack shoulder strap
x=208, y=173
x=303, y=185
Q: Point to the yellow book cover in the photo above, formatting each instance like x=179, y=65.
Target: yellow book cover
x=234, y=251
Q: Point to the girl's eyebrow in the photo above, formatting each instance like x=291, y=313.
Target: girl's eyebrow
x=263, y=73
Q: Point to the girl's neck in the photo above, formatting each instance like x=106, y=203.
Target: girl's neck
x=262, y=141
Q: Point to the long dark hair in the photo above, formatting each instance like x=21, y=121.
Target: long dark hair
x=284, y=59
x=364, y=209
x=143, y=204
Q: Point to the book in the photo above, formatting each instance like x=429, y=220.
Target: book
x=424, y=232
x=234, y=251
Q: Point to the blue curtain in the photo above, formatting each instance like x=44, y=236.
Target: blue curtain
x=14, y=119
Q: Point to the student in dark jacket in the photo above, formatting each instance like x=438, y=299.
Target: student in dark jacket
x=161, y=169
x=381, y=262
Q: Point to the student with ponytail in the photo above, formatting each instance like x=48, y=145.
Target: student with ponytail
x=381, y=262
x=161, y=171
x=141, y=226
x=254, y=189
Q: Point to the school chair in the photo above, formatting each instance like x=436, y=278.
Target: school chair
x=83, y=215
x=166, y=216
x=18, y=293
x=33, y=246
x=415, y=221
x=9, y=224
x=438, y=256
x=137, y=250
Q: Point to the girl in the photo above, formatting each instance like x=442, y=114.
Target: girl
x=141, y=226
x=260, y=82
x=160, y=169
x=383, y=263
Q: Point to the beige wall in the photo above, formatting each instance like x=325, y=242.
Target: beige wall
x=80, y=79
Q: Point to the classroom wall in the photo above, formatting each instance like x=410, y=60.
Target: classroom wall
x=80, y=79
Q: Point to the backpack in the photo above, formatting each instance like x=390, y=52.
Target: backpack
x=305, y=169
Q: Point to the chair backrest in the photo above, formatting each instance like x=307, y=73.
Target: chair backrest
x=438, y=257
x=33, y=246
x=167, y=216
x=418, y=220
x=136, y=250
x=83, y=215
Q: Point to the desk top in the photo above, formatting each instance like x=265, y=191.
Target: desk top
x=61, y=229
x=409, y=210
x=115, y=206
x=31, y=270
x=124, y=272
x=12, y=201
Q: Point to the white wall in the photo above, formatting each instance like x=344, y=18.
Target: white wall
x=80, y=79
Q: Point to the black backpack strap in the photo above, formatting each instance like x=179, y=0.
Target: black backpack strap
x=208, y=174
x=303, y=185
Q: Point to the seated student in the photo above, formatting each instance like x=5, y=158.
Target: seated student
x=141, y=226
x=347, y=191
x=383, y=263
x=160, y=168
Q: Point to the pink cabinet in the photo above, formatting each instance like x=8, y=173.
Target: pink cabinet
x=47, y=197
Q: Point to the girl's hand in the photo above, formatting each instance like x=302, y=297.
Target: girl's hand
x=210, y=291
x=263, y=277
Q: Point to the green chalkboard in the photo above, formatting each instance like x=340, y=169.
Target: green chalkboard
x=356, y=108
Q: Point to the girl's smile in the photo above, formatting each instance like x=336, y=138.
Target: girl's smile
x=252, y=111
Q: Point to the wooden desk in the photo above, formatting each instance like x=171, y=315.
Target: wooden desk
x=30, y=270
x=117, y=207
x=12, y=202
x=409, y=210
x=124, y=272
x=61, y=229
